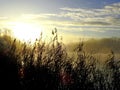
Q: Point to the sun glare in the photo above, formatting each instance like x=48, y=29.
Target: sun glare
x=26, y=31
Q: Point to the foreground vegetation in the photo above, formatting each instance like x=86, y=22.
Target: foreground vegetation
x=26, y=66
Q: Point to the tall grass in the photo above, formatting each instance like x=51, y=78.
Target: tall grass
x=47, y=65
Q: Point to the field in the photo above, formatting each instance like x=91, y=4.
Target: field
x=86, y=65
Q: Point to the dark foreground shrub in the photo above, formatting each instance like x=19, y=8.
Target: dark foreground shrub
x=41, y=66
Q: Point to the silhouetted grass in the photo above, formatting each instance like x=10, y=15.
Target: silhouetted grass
x=27, y=66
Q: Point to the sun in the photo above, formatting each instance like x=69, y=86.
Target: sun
x=26, y=31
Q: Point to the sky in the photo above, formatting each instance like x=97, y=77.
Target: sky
x=74, y=19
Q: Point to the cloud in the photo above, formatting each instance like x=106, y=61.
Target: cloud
x=34, y=16
x=74, y=29
x=3, y=18
x=77, y=21
x=114, y=8
x=95, y=16
x=108, y=15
